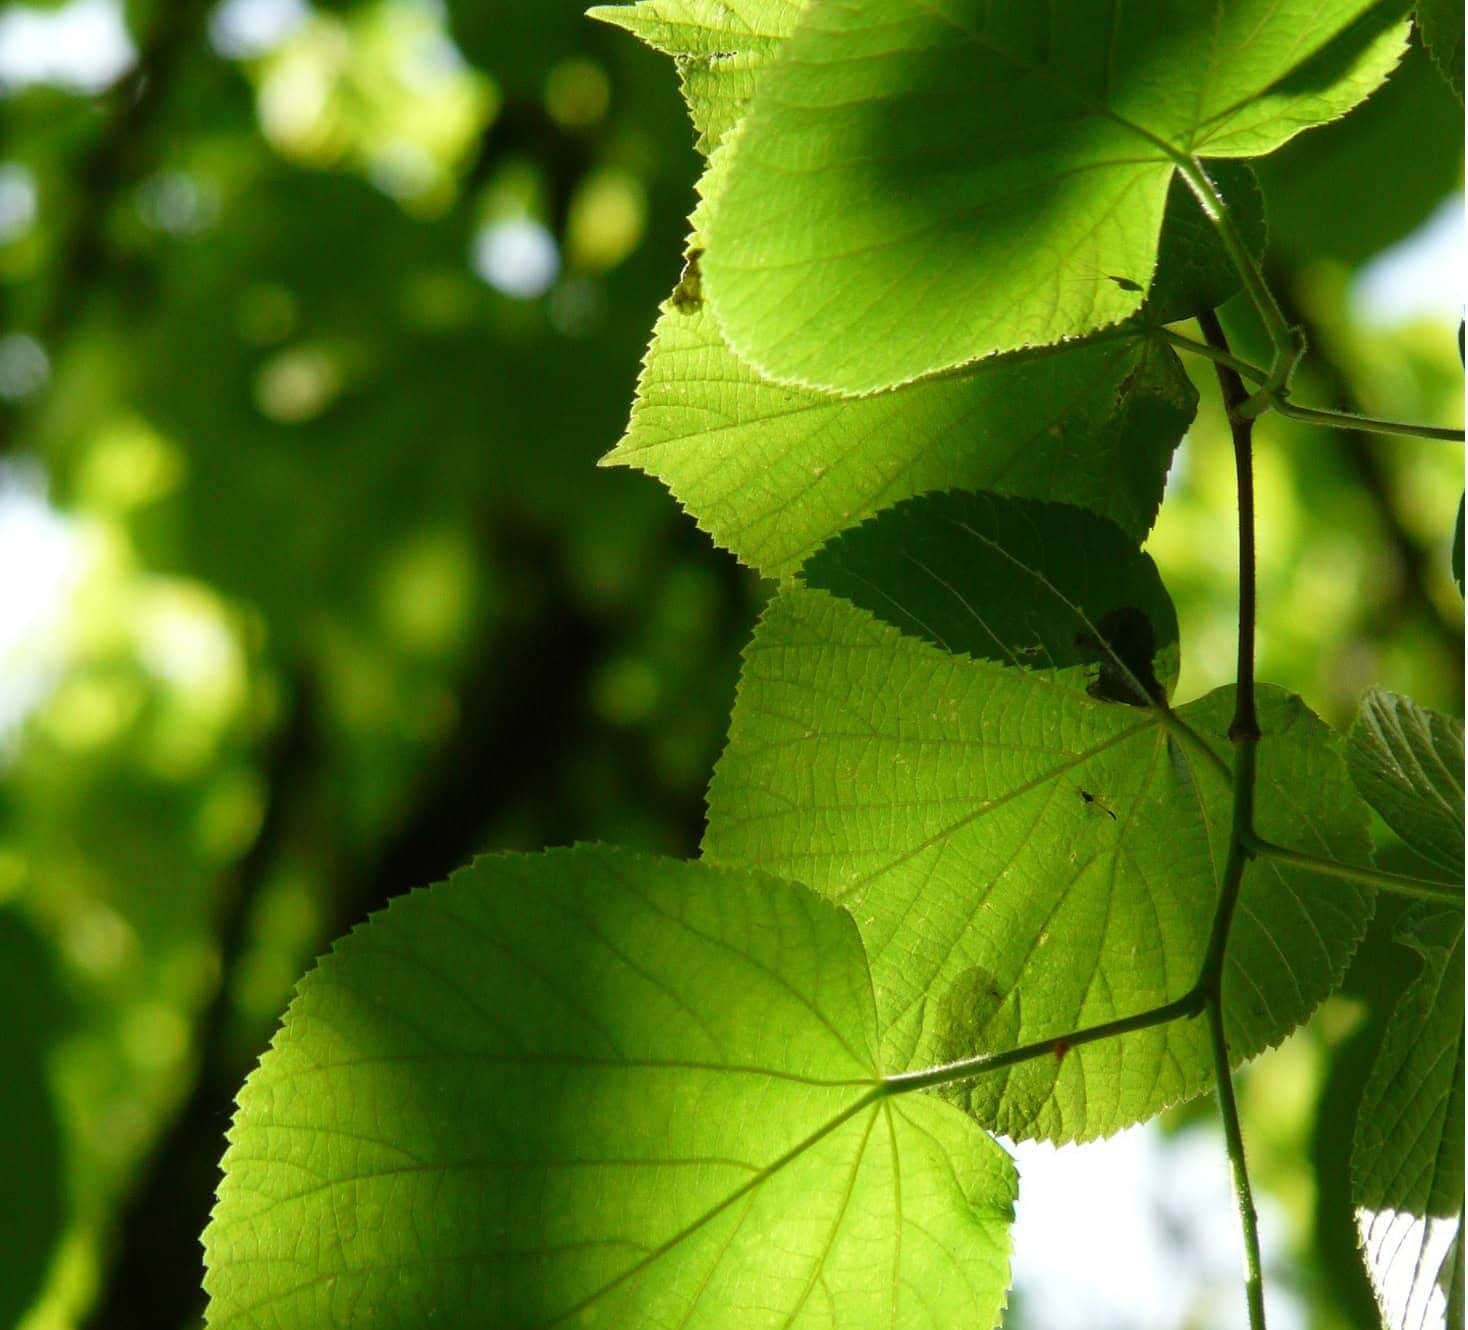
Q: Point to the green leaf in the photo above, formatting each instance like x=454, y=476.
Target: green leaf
x=1407, y=1160
x=719, y=47
x=916, y=242
x=595, y=1087
x=1407, y=762
x=771, y=472
x=1441, y=24
x=1322, y=189
x=1194, y=272
x=1015, y=832
x=1065, y=594
x=706, y=28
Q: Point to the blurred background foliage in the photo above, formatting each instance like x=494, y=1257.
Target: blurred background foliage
x=315, y=322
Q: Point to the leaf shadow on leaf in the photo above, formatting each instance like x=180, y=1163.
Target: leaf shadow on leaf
x=1065, y=592
x=592, y=1084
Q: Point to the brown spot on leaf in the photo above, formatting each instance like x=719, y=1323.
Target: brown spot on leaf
x=688, y=294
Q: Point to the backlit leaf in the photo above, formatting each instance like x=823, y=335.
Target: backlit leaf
x=719, y=47
x=771, y=471
x=959, y=179
x=1407, y=1161
x=1194, y=271
x=596, y=1088
x=1028, y=826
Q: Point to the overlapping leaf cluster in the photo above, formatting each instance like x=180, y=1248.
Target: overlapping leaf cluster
x=911, y=371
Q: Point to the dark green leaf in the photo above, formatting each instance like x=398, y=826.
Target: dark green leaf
x=1407, y=1161
x=1194, y=271
x=1066, y=595
x=1441, y=24
x=1323, y=190
x=1407, y=763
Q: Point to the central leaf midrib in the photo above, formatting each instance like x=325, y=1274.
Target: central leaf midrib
x=877, y=1092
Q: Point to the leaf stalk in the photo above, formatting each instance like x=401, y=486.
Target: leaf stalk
x=1245, y=735
x=1309, y=415
x=1288, y=340
x=1189, y=1005
x=1400, y=884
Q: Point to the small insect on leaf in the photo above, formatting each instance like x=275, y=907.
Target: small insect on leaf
x=1091, y=801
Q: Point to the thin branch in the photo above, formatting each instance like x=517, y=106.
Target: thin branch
x=1309, y=415
x=1400, y=884
x=1413, y=557
x=1241, y=426
x=1243, y=1193
x=1244, y=733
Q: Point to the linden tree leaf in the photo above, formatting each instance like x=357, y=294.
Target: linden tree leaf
x=958, y=179
x=719, y=47
x=1029, y=850
x=771, y=471
x=1407, y=762
x=705, y=27
x=1066, y=594
x=1407, y=1159
x=596, y=1087
x=1441, y=24
x=1194, y=271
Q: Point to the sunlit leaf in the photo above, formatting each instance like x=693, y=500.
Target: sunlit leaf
x=719, y=46
x=1028, y=850
x=1407, y=1161
x=593, y=1087
x=771, y=471
x=959, y=180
